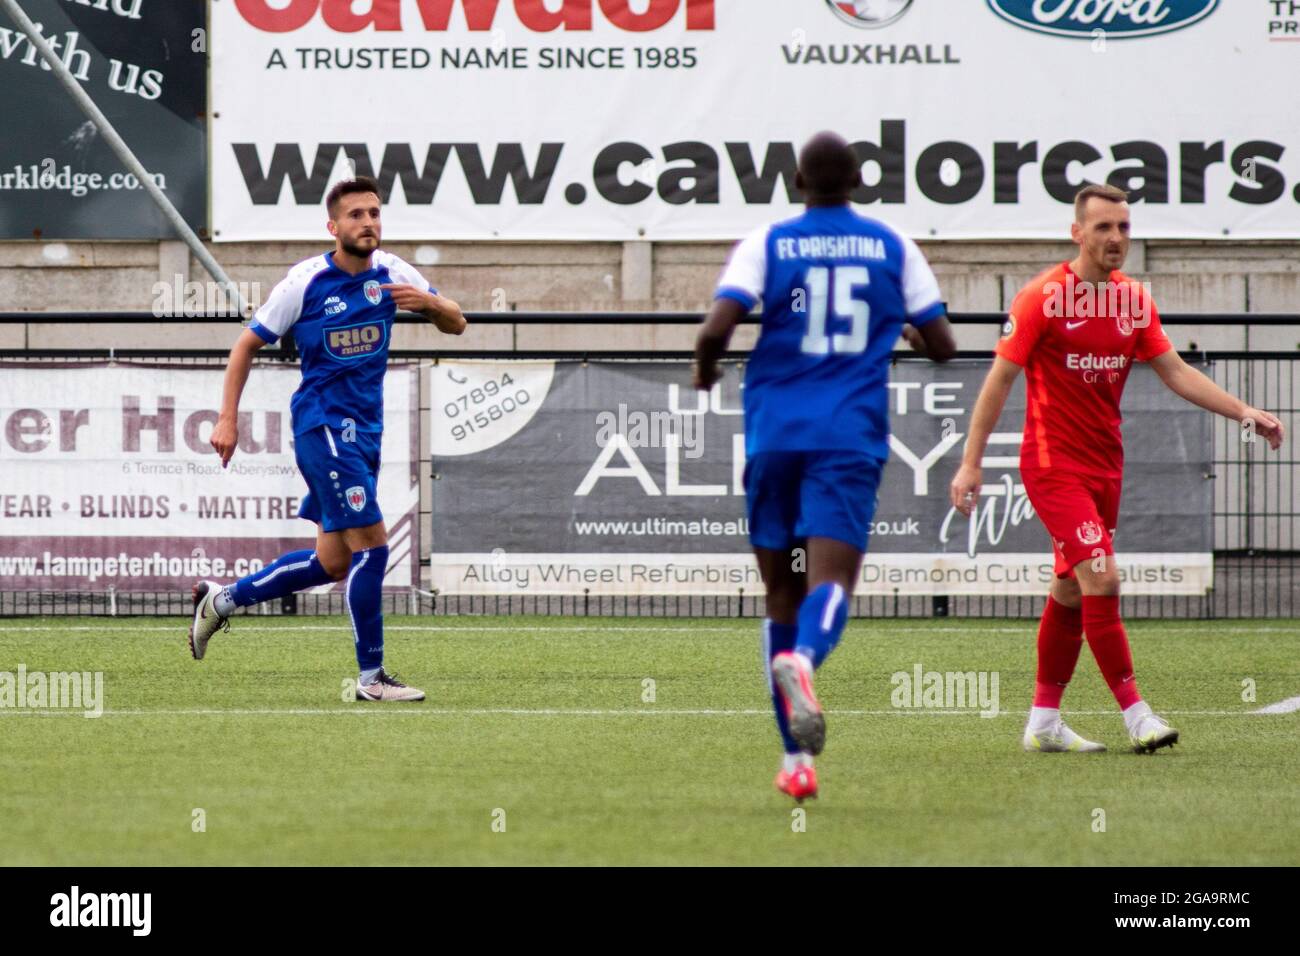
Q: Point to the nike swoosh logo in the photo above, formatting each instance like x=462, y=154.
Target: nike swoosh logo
x=1071, y=326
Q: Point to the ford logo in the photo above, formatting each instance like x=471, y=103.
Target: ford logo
x=1119, y=19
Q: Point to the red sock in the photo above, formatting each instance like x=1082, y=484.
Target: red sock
x=1109, y=643
x=1060, y=638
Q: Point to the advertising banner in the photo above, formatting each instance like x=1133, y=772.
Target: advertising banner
x=681, y=119
x=109, y=480
x=144, y=63
x=618, y=478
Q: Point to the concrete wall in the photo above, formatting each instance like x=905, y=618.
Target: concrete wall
x=1185, y=276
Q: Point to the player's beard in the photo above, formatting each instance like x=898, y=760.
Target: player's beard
x=354, y=250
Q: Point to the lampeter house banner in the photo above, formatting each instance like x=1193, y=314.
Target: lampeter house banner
x=618, y=478
x=680, y=119
x=110, y=483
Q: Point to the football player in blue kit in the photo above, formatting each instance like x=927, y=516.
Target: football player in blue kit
x=837, y=290
x=339, y=306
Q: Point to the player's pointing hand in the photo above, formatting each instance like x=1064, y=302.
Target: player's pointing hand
x=225, y=436
x=408, y=298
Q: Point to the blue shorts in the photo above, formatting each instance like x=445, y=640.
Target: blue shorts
x=795, y=495
x=342, y=478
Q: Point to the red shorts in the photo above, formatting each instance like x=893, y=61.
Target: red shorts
x=1080, y=513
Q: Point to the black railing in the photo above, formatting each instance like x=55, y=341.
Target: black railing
x=1255, y=515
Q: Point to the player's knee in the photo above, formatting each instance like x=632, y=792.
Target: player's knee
x=783, y=602
x=336, y=569
x=1103, y=583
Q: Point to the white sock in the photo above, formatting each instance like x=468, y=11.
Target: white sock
x=793, y=762
x=223, y=603
x=1134, y=713
x=1042, y=718
x=369, y=677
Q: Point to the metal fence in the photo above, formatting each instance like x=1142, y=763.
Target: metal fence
x=1255, y=514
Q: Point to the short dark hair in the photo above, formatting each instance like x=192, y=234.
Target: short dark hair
x=359, y=184
x=1096, y=191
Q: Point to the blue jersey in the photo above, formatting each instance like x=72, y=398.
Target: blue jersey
x=836, y=288
x=342, y=325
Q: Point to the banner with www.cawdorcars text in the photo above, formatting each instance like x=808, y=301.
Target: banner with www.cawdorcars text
x=681, y=119
x=617, y=478
x=109, y=480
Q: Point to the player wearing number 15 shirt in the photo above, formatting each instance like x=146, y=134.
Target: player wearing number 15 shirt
x=837, y=289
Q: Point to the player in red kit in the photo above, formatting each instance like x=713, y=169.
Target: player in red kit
x=1076, y=331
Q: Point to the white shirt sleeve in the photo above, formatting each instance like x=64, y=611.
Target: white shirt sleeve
x=406, y=274
x=745, y=276
x=283, y=307
x=921, y=295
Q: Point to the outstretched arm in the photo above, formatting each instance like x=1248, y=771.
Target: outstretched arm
x=225, y=434
x=1197, y=388
x=964, y=491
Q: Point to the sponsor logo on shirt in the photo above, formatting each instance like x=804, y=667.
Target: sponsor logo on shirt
x=1097, y=369
x=355, y=341
x=1115, y=19
x=1090, y=360
x=334, y=305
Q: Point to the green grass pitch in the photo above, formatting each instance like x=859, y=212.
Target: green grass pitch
x=541, y=724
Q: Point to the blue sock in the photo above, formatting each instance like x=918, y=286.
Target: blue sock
x=778, y=638
x=364, y=595
x=286, y=574
x=822, y=617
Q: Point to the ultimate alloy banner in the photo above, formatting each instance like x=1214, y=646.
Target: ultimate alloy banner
x=618, y=478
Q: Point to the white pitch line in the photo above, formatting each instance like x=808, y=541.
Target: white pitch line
x=1288, y=706
x=119, y=624
x=417, y=711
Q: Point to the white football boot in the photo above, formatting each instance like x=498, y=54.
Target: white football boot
x=206, y=620
x=1150, y=732
x=386, y=688
x=1057, y=738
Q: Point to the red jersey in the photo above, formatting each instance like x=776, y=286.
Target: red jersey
x=1077, y=344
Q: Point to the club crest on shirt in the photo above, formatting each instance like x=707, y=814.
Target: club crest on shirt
x=1125, y=323
x=373, y=293
x=356, y=497
x=1089, y=532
